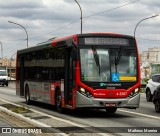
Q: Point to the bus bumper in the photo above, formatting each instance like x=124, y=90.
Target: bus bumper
x=83, y=101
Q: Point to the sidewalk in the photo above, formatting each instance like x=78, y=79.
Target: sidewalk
x=48, y=124
x=7, y=121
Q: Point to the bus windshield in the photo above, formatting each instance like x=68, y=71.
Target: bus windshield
x=108, y=64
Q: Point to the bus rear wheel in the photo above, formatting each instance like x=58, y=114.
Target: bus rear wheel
x=59, y=107
x=111, y=109
x=27, y=95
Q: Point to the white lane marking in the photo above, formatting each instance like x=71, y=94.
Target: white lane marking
x=67, y=121
x=140, y=114
x=60, y=119
x=30, y=121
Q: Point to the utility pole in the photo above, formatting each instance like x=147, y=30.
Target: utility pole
x=81, y=13
x=141, y=21
x=23, y=28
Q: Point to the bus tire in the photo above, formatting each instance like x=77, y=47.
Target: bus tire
x=27, y=95
x=58, y=103
x=111, y=109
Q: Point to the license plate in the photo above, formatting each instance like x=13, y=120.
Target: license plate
x=110, y=104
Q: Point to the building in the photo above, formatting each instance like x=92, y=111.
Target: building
x=150, y=62
x=151, y=56
x=10, y=64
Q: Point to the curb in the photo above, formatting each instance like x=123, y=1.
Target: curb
x=33, y=122
x=47, y=128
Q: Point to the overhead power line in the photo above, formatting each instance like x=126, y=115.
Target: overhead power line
x=57, y=28
x=118, y=7
x=111, y=9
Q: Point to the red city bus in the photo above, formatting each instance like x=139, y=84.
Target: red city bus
x=95, y=70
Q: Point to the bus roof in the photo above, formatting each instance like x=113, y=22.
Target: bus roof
x=53, y=41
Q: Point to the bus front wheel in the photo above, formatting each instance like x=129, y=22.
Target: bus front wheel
x=27, y=95
x=59, y=107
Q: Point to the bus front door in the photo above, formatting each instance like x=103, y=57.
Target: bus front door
x=22, y=77
x=68, y=81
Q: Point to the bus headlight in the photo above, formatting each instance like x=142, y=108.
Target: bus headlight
x=84, y=92
x=134, y=92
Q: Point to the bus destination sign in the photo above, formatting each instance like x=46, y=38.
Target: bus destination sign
x=105, y=41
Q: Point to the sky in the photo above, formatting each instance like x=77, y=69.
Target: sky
x=45, y=19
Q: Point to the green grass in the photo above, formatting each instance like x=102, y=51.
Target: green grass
x=16, y=109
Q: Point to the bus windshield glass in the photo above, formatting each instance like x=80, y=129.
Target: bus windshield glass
x=108, y=64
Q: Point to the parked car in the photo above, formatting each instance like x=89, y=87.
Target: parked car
x=156, y=99
x=3, y=76
x=152, y=84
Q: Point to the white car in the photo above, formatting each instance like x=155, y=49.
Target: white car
x=152, y=84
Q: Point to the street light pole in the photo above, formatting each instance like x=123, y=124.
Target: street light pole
x=141, y=21
x=1, y=53
x=23, y=28
x=81, y=13
x=1, y=50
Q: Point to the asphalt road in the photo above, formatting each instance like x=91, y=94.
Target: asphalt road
x=144, y=116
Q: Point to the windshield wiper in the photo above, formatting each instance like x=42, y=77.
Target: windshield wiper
x=96, y=57
x=119, y=55
x=117, y=59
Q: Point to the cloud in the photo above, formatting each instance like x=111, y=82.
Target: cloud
x=44, y=19
x=20, y=4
